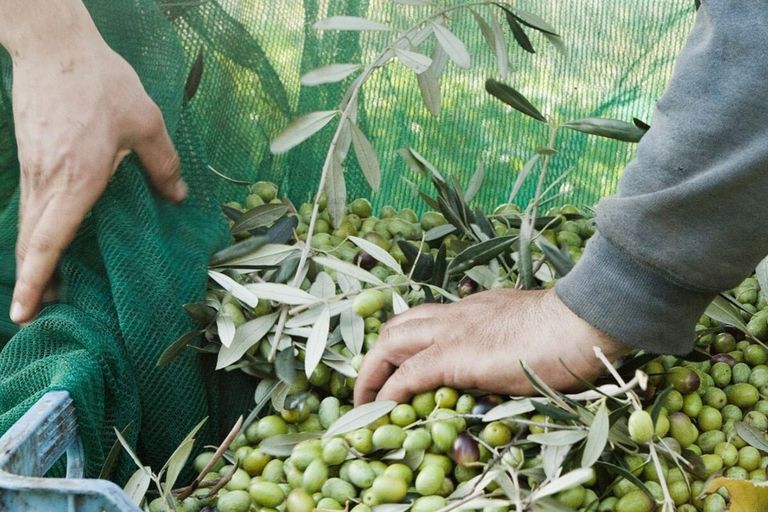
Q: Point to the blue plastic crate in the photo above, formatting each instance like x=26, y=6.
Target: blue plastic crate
x=47, y=432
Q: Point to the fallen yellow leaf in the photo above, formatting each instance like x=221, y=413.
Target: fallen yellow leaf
x=745, y=496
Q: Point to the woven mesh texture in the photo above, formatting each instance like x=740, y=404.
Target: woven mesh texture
x=138, y=259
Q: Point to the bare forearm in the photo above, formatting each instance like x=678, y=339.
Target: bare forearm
x=33, y=28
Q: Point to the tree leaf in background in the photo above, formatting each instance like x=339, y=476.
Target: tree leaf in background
x=366, y=157
x=317, y=341
x=300, y=130
x=517, y=31
x=328, y=74
x=608, y=128
x=418, y=62
x=429, y=81
x=336, y=192
x=500, y=49
x=641, y=124
x=359, y=417
x=486, y=30
x=260, y=216
x=597, y=438
x=558, y=43
x=534, y=21
x=352, y=328
x=522, y=176
x=475, y=183
x=354, y=23
x=194, y=77
x=201, y=313
x=513, y=98
x=452, y=45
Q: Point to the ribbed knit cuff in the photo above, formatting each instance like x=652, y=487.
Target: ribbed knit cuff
x=631, y=302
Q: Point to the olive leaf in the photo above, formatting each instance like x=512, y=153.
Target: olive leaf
x=479, y=254
x=422, y=263
x=452, y=45
x=597, y=438
x=398, y=304
x=127, y=447
x=348, y=269
x=517, y=30
x=510, y=409
x=225, y=326
x=567, y=481
x=353, y=23
x=726, y=313
x=194, y=78
x=285, y=364
x=485, y=29
x=439, y=232
x=336, y=191
x=317, y=341
x=359, y=417
x=300, y=130
x=281, y=293
x=558, y=437
x=475, y=183
x=237, y=290
x=352, y=330
x=429, y=81
x=608, y=128
x=323, y=286
x=752, y=436
x=311, y=315
x=561, y=260
x=137, y=486
x=114, y=454
x=366, y=157
x=178, y=459
x=552, y=459
x=348, y=284
x=523, y=175
x=246, y=336
x=260, y=216
x=240, y=249
x=328, y=74
x=762, y=276
x=177, y=347
x=282, y=445
x=418, y=62
x=513, y=98
x=377, y=253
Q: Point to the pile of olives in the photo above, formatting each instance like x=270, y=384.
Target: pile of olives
x=420, y=452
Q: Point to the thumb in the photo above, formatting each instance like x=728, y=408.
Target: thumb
x=161, y=161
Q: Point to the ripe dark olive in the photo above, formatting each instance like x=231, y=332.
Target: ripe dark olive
x=467, y=286
x=365, y=260
x=465, y=450
x=685, y=380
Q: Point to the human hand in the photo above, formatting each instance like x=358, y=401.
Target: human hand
x=79, y=109
x=478, y=343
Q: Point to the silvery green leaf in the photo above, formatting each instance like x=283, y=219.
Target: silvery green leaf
x=246, y=336
x=513, y=98
x=284, y=343
x=237, y=290
x=282, y=445
x=522, y=176
x=349, y=23
x=481, y=503
x=298, y=332
x=762, y=276
x=317, y=341
x=128, y=449
x=429, y=81
x=348, y=284
x=558, y=43
x=725, y=312
x=348, y=269
x=138, y=484
x=270, y=254
x=477, y=483
x=377, y=253
x=261, y=216
x=448, y=295
x=535, y=21
x=500, y=48
x=323, y=287
x=300, y=130
x=608, y=128
x=394, y=455
x=552, y=458
x=475, y=183
x=343, y=367
x=597, y=438
x=483, y=276
x=398, y=304
x=366, y=157
x=418, y=62
x=281, y=293
x=329, y=74
x=359, y=417
x=352, y=328
x=279, y=395
x=558, y=437
x=485, y=29
x=452, y=45
x=226, y=329
x=179, y=458
x=439, y=232
x=567, y=481
x=510, y=409
x=336, y=191
x=263, y=389
x=544, y=273
x=311, y=315
x=413, y=459
x=752, y=436
x=418, y=163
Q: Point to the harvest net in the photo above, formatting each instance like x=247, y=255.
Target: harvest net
x=138, y=259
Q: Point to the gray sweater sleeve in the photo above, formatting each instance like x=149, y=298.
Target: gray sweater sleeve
x=690, y=218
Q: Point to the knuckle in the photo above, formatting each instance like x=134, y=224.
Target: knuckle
x=43, y=243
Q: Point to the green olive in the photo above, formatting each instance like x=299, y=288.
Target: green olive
x=335, y=451
x=446, y=397
x=202, y=460
x=361, y=207
x=388, y=437
x=402, y=415
x=389, y=489
x=299, y=500
x=339, y=490
x=430, y=479
x=234, y=501
x=742, y=395
x=273, y=471
x=255, y=462
x=428, y=504
x=368, y=302
x=641, y=428
x=361, y=474
x=400, y=471
x=573, y=497
x=635, y=501
x=443, y=435
x=266, y=494
x=496, y=434
x=424, y=403
x=417, y=439
x=361, y=440
x=315, y=475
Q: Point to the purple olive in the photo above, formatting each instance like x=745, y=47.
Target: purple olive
x=365, y=260
x=467, y=286
x=683, y=379
x=485, y=404
x=723, y=358
x=465, y=450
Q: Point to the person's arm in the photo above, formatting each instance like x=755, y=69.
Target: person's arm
x=78, y=109
x=691, y=215
x=689, y=220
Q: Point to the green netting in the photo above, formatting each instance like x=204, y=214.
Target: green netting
x=137, y=259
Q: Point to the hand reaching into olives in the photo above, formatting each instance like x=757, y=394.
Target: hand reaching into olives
x=478, y=343
x=79, y=109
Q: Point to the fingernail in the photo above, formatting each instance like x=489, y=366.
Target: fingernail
x=16, y=312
